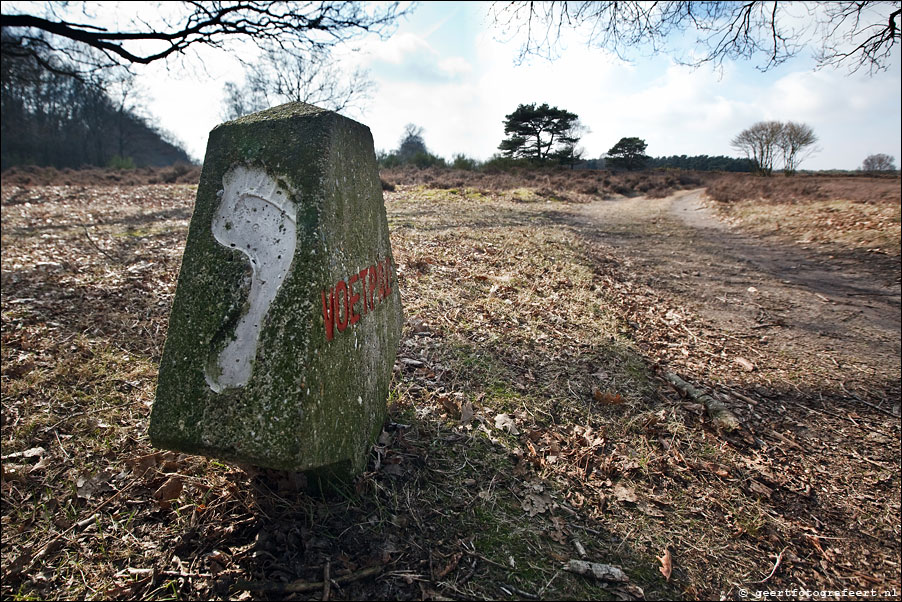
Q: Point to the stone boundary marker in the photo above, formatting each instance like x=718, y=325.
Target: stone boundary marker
x=287, y=314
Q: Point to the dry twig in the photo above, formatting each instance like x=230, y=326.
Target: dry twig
x=722, y=417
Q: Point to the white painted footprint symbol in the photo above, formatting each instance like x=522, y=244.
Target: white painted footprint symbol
x=257, y=217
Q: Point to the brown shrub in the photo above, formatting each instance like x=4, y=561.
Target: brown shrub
x=556, y=182
x=730, y=188
x=50, y=176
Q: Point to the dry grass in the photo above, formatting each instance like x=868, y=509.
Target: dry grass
x=180, y=173
x=551, y=183
x=864, y=188
x=839, y=212
x=528, y=425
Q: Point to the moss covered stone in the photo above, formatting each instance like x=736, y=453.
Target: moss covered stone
x=287, y=315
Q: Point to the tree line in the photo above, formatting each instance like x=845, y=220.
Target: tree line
x=536, y=141
x=542, y=135
x=49, y=118
x=702, y=163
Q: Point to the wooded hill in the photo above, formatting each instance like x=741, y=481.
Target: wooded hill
x=50, y=118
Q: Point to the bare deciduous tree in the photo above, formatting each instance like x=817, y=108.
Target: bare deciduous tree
x=760, y=143
x=796, y=141
x=852, y=33
x=242, y=100
x=70, y=29
x=281, y=77
x=878, y=162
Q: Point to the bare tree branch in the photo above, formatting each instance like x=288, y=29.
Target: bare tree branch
x=297, y=27
x=856, y=34
x=281, y=77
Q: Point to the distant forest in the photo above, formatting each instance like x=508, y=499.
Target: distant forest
x=50, y=118
x=702, y=163
x=693, y=162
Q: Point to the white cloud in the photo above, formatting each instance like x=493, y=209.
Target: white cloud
x=460, y=90
x=455, y=66
x=399, y=48
x=676, y=109
x=853, y=115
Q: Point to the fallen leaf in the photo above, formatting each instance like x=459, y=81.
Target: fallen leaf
x=452, y=564
x=607, y=397
x=466, y=413
x=629, y=591
x=13, y=472
x=521, y=468
x=449, y=404
x=625, y=494
x=557, y=536
x=505, y=422
x=559, y=532
x=43, y=463
x=142, y=464
x=760, y=488
x=218, y=556
x=86, y=487
x=536, y=503
x=672, y=317
x=168, y=491
x=666, y=567
x=717, y=469
x=28, y=453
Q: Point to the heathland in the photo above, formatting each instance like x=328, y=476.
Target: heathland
x=693, y=378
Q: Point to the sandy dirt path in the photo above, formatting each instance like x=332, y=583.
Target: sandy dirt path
x=804, y=305
x=820, y=396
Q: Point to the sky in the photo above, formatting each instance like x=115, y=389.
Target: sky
x=448, y=70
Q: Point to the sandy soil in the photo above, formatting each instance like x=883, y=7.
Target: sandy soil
x=796, y=300
x=820, y=336
x=557, y=316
